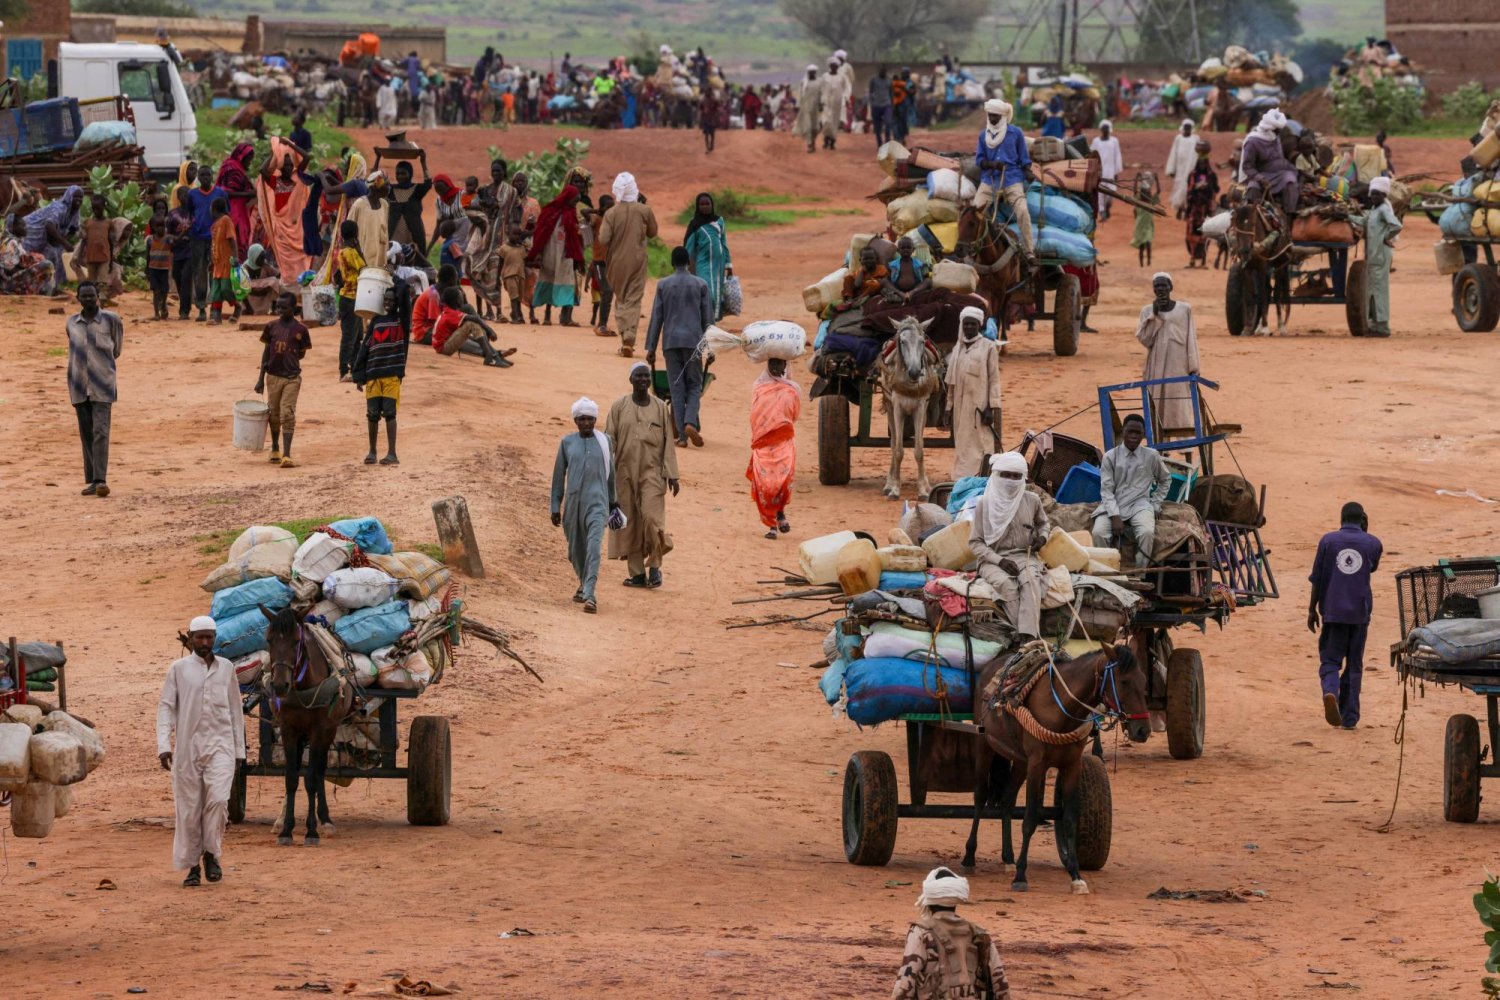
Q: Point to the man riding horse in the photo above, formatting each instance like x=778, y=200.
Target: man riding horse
x=1004, y=171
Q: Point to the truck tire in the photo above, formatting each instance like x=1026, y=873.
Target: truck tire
x=1186, y=704
x=869, y=813
x=429, y=771
x=1065, y=312
x=1461, y=769
x=1095, y=814
x=833, y=440
x=1356, y=300
x=1476, y=298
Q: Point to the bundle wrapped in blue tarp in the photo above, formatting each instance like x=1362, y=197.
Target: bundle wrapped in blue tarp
x=232, y=602
x=884, y=688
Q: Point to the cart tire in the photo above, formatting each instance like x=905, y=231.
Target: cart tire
x=1186, y=705
x=833, y=440
x=1095, y=814
x=237, y=796
x=1476, y=298
x=1065, y=312
x=1356, y=300
x=1461, y=770
x=1234, y=300
x=429, y=771
x=870, y=794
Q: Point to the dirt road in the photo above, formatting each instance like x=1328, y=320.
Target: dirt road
x=663, y=813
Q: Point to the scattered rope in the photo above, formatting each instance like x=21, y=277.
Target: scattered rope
x=1400, y=739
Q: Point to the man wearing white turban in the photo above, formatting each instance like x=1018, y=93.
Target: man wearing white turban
x=809, y=108
x=1167, y=331
x=973, y=394
x=640, y=429
x=583, y=496
x=628, y=227
x=1009, y=527
x=1004, y=168
x=836, y=88
x=1180, y=163
x=946, y=955
x=200, y=702
x=1111, y=161
x=1381, y=229
x=1263, y=164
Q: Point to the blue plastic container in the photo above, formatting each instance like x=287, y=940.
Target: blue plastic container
x=1080, y=485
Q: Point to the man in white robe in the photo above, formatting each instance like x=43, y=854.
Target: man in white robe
x=200, y=702
x=1167, y=331
x=834, y=91
x=1180, y=163
x=973, y=395
x=1111, y=162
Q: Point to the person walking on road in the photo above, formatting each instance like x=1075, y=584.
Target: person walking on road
x=628, y=227
x=775, y=404
x=1167, y=331
x=200, y=703
x=1381, y=229
x=680, y=315
x=1111, y=162
x=1341, y=594
x=946, y=955
x=640, y=426
x=287, y=342
x=95, y=337
x=880, y=107
x=973, y=395
x=583, y=498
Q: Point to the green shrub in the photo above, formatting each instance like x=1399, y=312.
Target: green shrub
x=1385, y=104
x=1469, y=102
x=125, y=201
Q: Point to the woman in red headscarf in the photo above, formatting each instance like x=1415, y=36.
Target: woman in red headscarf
x=557, y=247
x=234, y=178
x=450, y=206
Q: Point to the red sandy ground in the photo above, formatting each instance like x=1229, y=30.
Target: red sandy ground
x=663, y=812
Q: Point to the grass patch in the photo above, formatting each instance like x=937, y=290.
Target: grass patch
x=658, y=258
x=743, y=211
x=218, y=542
x=428, y=549
x=216, y=139
x=57, y=352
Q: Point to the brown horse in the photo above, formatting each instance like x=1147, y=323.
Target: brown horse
x=309, y=701
x=1259, y=277
x=1064, y=704
x=989, y=249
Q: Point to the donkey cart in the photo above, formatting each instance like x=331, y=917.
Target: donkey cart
x=428, y=772
x=1269, y=272
x=844, y=382
x=940, y=755
x=1428, y=594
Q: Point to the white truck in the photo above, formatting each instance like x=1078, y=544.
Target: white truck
x=145, y=75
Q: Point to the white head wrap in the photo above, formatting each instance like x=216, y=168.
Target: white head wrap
x=624, y=187
x=1106, y=123
x=395, y=250
x=840, y=54
x=1002, y=497
x=943, y=888
x=585, y=407
x=993, y=134
x=1187, y=123
x=1161, y=275
x=1381, y=184
x=811, y=68
x=378, y=175
x=638, y=365
x=203, y=623
x=970, y=311
x=665, y=49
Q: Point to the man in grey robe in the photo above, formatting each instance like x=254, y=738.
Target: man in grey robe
x=1133, y=483
x=583, y=497
x=1010, y=527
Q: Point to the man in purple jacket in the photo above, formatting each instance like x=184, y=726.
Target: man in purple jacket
x=1341, y=592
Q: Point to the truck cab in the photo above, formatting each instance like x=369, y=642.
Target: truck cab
x=145, y=75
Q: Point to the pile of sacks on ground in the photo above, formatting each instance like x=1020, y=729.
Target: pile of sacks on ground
x=42, y=756
x=886, y=655
x=924, y=192
x=345, y=576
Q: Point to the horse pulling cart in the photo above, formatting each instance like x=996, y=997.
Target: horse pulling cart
x=1449, y=590
x=1272, y=270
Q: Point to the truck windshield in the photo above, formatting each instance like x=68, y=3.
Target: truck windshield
x=138, y=83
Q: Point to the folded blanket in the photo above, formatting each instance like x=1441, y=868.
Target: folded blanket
x=1460, y=640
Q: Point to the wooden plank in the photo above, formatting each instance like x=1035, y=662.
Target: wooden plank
x=456, y=536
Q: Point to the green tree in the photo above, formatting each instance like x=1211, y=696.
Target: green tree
x=137, y=8
x=885, y=29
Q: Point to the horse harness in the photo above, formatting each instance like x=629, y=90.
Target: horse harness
x=1008, y=690
x=930, y=354
x=327, y=694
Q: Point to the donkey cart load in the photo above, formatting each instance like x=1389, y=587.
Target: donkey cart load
x=1450, y=634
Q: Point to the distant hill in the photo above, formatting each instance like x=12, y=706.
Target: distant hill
x=750, y=37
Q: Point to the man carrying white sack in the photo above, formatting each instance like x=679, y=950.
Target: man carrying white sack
x=946, y=955
x=973, y=394
x=200, y=702
x=1004, y=169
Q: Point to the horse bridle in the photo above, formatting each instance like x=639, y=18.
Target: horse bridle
x=1113, y=713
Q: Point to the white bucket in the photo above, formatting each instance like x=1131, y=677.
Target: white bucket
x=251, y=419
x=1489, y=603
x=374, y=282
x=310, y=313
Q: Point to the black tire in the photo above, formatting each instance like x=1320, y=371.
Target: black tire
x=833, y=440
x=1095, y=814
x=237, y=796
x=1186, y=704
x=1234, y=300
x=1356, y=300
x=1065, y=311
x=1461, y=770
x=870, y=794
x=1476, y=298
x=429, y=771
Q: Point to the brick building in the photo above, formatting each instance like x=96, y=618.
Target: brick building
x=33, y=40
x=1452, y=41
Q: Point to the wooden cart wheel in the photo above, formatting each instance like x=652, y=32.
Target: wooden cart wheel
x=1356, y=300
x=1186, y=704
x=1234, y=300
x=237, y=796
x=870, y=794
x=833, y=440
x=1065, y=316
x=429, y=771
x=1476, y=298
x=1461, y=770
x=1095, y=814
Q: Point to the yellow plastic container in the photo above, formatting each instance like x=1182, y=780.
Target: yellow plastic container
x=948, y=548
x=859, y=567
x=1487, y=152
x=1062, y=549
x=818, y=558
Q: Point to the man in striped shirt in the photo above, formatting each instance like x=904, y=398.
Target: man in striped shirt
x=95, y=337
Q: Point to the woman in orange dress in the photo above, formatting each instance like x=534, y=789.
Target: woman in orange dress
x=775, y=403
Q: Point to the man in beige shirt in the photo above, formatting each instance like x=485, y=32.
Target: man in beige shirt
x=628, y=227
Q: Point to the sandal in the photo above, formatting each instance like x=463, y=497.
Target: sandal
x=600, y=331
x=653, y=579
x=370, y=458
x=636, y=581
x=275, y=457
x=390, y=460
x=694, y=436
x=590, y=608
x=782, y=524
x=627, y=352
x=194, y=877
x=771, y=534
x=287, y=463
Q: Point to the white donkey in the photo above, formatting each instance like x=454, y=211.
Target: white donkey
x=911, y=370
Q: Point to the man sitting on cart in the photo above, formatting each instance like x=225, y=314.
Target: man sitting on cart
x=1133, y=483
x=1004, y=170
x=1264, y=169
